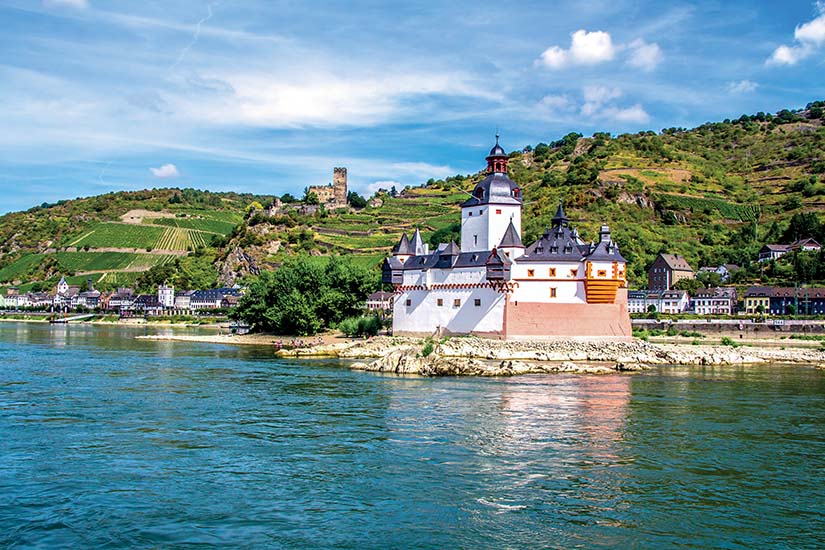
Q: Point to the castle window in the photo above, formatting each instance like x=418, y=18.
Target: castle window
x=481, y=212
x=602, y=273
x=552, y=271
x=456, y=303
x=531, y=272
x=470, y=214
x=553, y=292
x=475, y=239
x=573, y=272
x=439, y=302
x=477, y=302
x=409, y=302
x=498, y=210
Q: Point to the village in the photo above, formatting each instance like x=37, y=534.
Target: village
x=669, y=272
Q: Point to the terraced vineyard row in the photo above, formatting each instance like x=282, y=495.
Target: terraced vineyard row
x=119, y=235
x=209, y=226
x=173, y=238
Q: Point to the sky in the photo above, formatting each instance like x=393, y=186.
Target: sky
x=266, y=97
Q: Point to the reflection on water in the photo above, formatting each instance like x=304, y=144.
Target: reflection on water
x=111, y=441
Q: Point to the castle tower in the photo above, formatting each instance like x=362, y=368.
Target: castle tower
x=495, y=205
x=339, y=185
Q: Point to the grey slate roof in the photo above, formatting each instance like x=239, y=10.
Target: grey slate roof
x=417, y=243
x=403, y=246
x=511, y=238
x=496, y=188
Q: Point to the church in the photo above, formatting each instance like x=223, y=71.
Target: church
x=491, y=285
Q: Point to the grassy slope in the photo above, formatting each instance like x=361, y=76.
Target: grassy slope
x=711, y=193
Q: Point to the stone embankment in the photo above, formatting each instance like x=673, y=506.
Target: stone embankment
x=482, y=357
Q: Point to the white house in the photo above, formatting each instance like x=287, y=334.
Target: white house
x=663, y=301
x=492, y=285
x=166, y=296
x=715, y=301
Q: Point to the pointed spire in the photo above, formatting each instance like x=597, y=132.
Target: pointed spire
x=560, y=219
x=417, y=243
x=511, y=238
x=403, y=247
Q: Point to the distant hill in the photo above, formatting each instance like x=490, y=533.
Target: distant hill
x=714, y=193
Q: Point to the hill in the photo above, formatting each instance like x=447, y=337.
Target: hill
x=714, y=193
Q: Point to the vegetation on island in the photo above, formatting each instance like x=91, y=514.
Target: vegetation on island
x=305, y=296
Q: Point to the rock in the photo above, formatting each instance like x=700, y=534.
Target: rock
x=236, y=265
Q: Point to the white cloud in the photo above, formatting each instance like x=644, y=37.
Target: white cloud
x=165, y=171
x=78, y=4
x=644, y=56
x=635, y=113
x=596, y=96
x=742, y=87
x=375, y=186
x=808, y=37
x=586, y=48
x=556, y=103
x=324, y=99
x=592, y=48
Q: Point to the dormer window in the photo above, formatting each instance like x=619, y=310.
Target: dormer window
x=479, y=193
x=516, y=192
x=554, y=250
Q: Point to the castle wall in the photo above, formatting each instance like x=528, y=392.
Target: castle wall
x=483, y=226
x=339, y=185
x=531, y=320
x=567, y=279
x=424, y=316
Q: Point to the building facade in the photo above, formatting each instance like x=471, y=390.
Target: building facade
x=492, y=285
x=715, y=301
x=663, y=301
x=667, y=270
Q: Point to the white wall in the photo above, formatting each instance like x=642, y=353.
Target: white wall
x=569, y=287
x=484, y=229
x=424, y=315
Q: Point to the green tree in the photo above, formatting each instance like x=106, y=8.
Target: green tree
x=310, y=197
x=355, y=200
x=305, y=296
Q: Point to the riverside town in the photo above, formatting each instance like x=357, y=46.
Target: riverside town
x=423, y=275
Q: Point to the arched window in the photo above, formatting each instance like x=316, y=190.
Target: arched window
x=479, y=193
x=516, y=192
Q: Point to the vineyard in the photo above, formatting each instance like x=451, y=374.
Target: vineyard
x=727, y=210
x=23, y=265
x=120, y=235
x=206, y=225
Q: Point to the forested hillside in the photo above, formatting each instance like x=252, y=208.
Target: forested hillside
x=715, y=194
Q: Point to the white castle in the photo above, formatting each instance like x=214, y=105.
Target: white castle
x=558, y=287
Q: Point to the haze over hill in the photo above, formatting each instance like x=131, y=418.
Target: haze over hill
x=714, y=193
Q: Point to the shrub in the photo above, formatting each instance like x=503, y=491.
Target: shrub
x=728, y=341
x=365, y=325
x=428, y=348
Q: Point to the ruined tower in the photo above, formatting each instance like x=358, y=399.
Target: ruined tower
x=339, y=185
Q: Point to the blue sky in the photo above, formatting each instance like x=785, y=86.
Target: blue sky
x=268, y=96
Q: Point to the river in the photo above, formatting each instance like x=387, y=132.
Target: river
x=108, y=441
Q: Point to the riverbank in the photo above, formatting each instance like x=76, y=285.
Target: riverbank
x=483, y=357
x=126, y=322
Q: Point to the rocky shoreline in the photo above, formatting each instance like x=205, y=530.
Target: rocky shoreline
x=470, y=356
x=482, y=357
